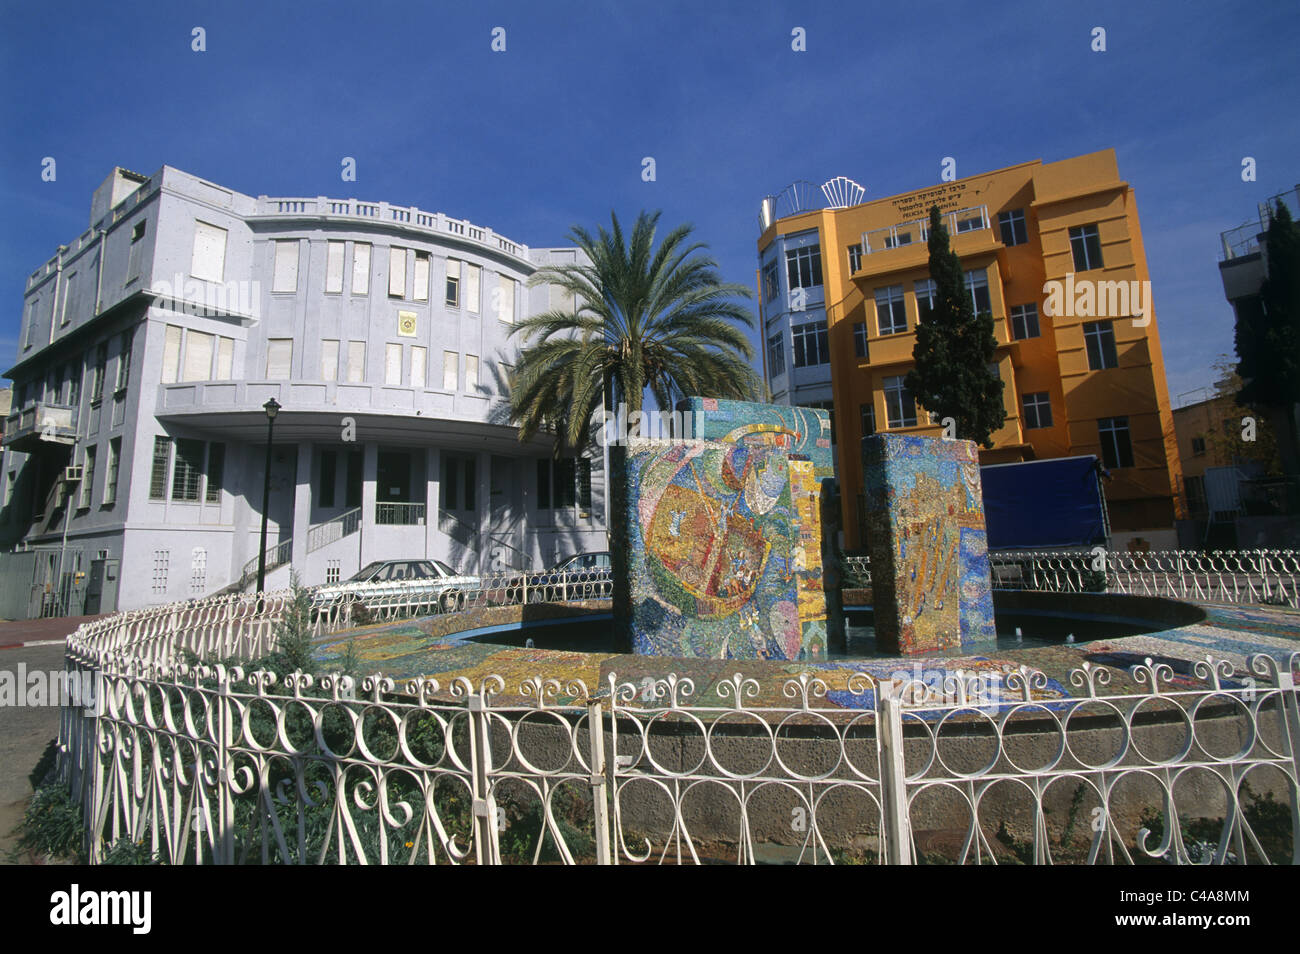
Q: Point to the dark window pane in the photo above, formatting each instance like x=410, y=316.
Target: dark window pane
x=216, y=471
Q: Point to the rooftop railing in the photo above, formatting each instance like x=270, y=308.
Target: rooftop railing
x=915, y=231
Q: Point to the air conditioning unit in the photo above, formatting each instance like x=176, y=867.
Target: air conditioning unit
x=72, y=473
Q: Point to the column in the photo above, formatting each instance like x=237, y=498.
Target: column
x=369, y=476
x=302, y=515
x=432, y=498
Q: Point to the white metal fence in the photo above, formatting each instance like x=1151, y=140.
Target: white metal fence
x=209, y=764
x=1226, y=576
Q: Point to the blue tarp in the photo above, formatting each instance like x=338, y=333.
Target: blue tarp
x=1044, y=504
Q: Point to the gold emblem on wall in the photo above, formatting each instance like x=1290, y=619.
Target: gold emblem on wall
x=406, y=324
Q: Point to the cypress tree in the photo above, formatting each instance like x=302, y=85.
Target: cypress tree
x=954, y=347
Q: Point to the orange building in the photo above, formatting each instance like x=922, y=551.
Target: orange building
x=1054, y=251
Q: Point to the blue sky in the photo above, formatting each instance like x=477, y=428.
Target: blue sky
x=552, y=131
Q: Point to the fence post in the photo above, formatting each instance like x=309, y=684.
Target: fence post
x=893, y=776
x=599, y=788
x=223, y=846
x=487, y=849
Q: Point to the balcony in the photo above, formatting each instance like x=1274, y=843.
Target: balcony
x=917, y=231
x=41, y=424
x=396, y=514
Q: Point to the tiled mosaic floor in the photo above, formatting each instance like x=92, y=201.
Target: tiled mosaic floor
x=425, y=647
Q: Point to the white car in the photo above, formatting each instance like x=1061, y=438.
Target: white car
x=419, y=582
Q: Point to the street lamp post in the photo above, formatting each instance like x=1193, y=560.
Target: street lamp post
x=272, y=408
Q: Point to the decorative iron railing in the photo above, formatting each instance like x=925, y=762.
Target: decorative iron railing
x=323, y=534
x=1226, y=576
x=209, y=764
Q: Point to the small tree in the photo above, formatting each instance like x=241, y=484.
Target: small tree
x=1268, y=338
x=293, y=631
x=954, y=347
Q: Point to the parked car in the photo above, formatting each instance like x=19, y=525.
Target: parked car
x=582, y=576
x=430, y=582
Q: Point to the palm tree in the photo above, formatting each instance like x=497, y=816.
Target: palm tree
x=641, y=317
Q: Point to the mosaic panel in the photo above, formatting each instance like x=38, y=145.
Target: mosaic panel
x=718, y=552
x=929, y=549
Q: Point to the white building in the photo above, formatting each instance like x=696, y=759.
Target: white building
x=134, y=454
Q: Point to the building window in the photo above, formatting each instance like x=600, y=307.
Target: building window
x=450, y=370
x=776, y=354
x=473, y=283
x=900, y=408
x=471, y=372
x=333, y=571
x=392, y=364
x=506, y=299
x=74, y=384
x=898, y=238
x=64, y=312
x=803, y=266
x=216, y=472
x=810, y=344
x=452, y=297
x=855, y=258
x=396, y=272
x=328, y=471
x=1116, y=447
x=285, y=276
x=1038, y=410
x=29, y=334
x=771, y=284
x=335, y=252
x=927, y=295
x=1012, y=226
x=87, y=479
x=133, y=261
x=1198, y=446
x=187, y=470
x=198, y=356
x=356, y=362
x=1024, y=321
x=160, y=560
x=124, y=362
x=1085, y=243
x=162, y=452
x=353, y=478
x=977, y=284
x=421, y=290
x=418, y=355
x=1196, y=500
x=891, y=315
x=1100, y=339
x=279, y=358
x=361, y=268
x=110, y=476
x=860, y=347
x=329, y=360
x=171, y=369
x=101, y=378
x=867, y=419
x=208, y=261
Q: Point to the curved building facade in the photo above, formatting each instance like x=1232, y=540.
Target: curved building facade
x=135, y=452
